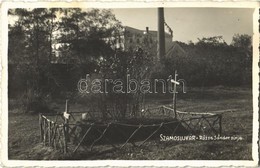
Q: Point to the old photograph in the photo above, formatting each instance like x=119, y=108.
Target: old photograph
x=157, y=83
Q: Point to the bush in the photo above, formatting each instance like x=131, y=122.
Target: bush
x=211, y=65
x=33, y=102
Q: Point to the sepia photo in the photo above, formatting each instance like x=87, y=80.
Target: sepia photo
x=120, y=85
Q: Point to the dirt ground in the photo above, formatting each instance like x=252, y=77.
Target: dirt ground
x=24, y=139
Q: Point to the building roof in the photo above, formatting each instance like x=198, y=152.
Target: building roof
x=151, y=32
x=174, y=49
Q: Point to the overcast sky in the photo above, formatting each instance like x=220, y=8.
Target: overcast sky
x=192, y=23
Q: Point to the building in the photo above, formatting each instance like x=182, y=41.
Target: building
x=128, y=39
x=134, y=38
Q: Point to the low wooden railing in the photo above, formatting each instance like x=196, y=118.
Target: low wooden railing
x=52, y=134
x=58, y=132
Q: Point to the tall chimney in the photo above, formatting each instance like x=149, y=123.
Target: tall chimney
x=161, y=35
x=147, y=30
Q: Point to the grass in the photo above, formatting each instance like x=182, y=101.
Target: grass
x=182, y=151
x=23, y=131
x=23, y=134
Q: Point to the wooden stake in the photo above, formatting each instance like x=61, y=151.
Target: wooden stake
x=64, y=138
x=175, y=95
x=44, y=132
x=40, y=125
x=49, y=126
x=66, y=120
x=66, y=105
x=220, y=125
x=58, y=141
x=54, y=136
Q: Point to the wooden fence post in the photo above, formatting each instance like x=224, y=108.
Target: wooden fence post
x=64, y=138
x=175, y=95
x=40, y=125
x=49, y=126
x=220, y=124
x=60, y=139
x=44, y=131
x=66, y=120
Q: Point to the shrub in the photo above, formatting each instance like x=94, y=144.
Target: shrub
x=33, y=102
